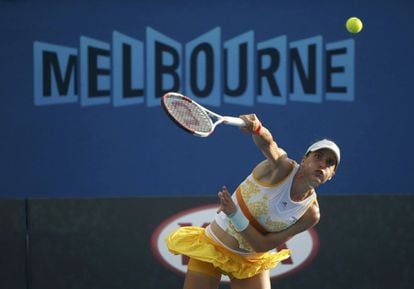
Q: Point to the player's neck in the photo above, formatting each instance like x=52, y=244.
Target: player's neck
x=300, y=189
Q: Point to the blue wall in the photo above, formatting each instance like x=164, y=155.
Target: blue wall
x=80, y=145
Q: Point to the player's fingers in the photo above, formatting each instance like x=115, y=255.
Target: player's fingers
x=222, y=198
x=246, y=118
x=252, y=117
x=225, y=194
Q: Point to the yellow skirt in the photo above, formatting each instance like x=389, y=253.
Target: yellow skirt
x=192, y=242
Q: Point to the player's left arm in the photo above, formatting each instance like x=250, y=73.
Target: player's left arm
x=265, y=242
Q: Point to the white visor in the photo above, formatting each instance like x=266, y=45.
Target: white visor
x=326, y=144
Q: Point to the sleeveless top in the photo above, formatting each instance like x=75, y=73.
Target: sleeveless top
x=269, y=205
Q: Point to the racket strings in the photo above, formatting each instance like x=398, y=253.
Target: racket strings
x=189, y=115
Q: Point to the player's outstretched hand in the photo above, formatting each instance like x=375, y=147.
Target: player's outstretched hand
x=227, y=205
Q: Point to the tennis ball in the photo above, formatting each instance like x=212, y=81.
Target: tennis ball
x=354, y=25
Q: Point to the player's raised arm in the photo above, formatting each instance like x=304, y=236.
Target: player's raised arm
x=263, y=138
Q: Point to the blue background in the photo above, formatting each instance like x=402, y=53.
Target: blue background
x=69, y=150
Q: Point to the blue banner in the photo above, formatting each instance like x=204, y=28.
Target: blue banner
x=82, y=84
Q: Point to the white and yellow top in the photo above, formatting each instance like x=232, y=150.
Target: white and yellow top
x=270, y=206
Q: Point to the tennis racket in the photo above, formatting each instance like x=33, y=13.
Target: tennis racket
x=193, y=117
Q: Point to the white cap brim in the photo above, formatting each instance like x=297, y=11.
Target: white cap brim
x=326, y=144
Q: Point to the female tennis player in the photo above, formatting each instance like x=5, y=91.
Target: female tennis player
x=273, y=204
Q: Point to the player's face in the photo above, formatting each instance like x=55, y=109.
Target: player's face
x=320, y=166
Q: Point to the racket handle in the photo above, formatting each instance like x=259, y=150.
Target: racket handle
x=236, y=121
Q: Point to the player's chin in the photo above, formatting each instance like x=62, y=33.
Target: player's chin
x=317, y=182
x=324, y=181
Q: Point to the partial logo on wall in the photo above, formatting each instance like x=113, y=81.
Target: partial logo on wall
x=241, y=71
x=304, y=246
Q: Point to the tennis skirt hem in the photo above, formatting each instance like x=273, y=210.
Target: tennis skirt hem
x=193, y=242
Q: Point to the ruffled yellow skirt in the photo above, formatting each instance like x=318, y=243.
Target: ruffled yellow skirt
x=192, y=242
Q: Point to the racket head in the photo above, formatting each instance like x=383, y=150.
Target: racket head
x=187, y=114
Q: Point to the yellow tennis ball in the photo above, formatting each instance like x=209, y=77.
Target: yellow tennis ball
x=354, y=25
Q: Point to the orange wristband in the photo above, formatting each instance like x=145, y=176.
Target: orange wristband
x=257, y=131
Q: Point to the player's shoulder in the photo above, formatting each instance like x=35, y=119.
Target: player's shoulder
x=282, y=163
x=274, y=171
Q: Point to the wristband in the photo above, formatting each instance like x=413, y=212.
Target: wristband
x=239, y=221
x=257, y=131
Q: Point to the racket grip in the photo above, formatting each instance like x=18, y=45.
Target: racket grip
x=236, y=121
